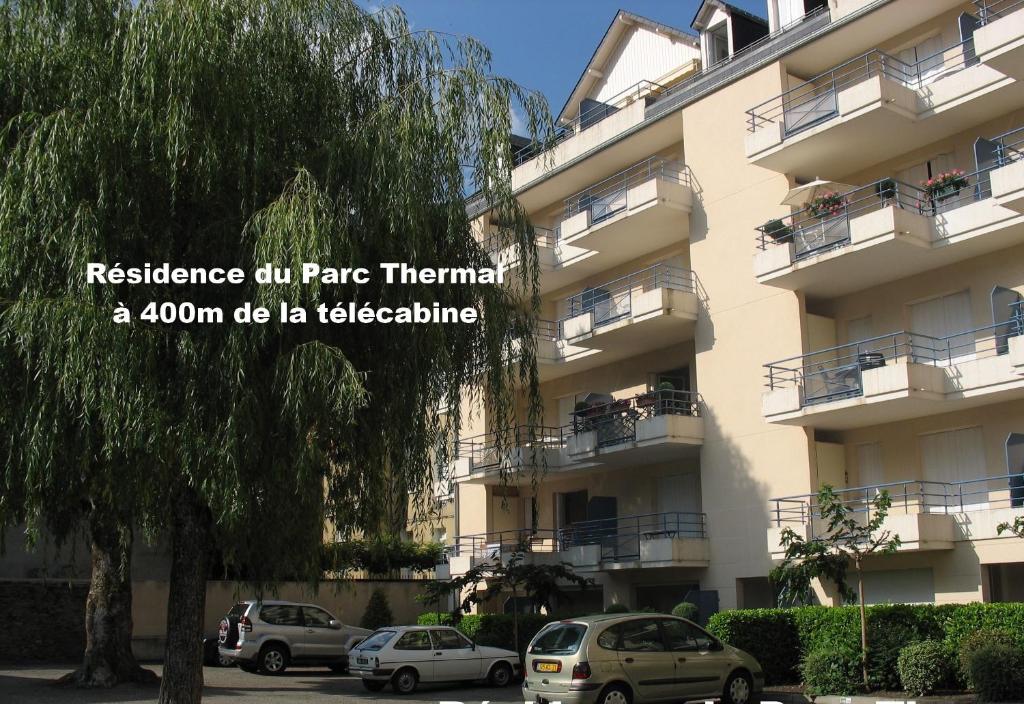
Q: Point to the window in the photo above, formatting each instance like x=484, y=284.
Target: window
x=316, y=618
x=377, y=640
x=281, y=615
x=449, y=639
x=954, y=456
x=238, y=609
x=870, y=470
x=413, y=640
x=685, y=636
x=939, y=321
x=609, y=640
x=642, y=636
x=718, y=44
x=559, y=639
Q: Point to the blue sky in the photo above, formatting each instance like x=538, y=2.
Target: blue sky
x=544, y=44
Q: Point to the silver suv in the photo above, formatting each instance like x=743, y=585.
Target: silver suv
x=268, y=636
x=635, y=658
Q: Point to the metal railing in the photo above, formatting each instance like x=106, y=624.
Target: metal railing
x=815, y=230
x=911, y=496
x=836, y=373
x=613, y=300
x=816, y=100
x=641, y=90
x=610, y=196
x=992, y=10
x=547, y=330
x=490, y=546
x=620, y=537
x=615, y=422
x=483, y=450
x=1017, y=318
x=495, y=242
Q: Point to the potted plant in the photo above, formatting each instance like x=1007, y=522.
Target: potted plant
x=946, y=185
x=665, y=395
x=777, y=230
x=886, y=189
x=828, y=204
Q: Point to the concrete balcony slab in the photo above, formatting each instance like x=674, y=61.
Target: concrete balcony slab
x=1000, y=44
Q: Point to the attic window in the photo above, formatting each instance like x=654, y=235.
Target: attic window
x=718, y=44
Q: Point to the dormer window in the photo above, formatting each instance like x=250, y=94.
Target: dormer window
x=718, y=44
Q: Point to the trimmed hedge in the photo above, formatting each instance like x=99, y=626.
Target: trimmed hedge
x=924, y=667
x=496, y=630
x=832, y=671
x=781, y=638
x=997, y=671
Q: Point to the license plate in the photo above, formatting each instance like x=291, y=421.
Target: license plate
x=547, y=667
x=362, y=661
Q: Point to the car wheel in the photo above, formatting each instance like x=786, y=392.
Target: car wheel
x=374, y=685
x=616, y=694
x=501, y=675
x=739, y=689
x=404, y=681
x=224, y=662
x=273, y=660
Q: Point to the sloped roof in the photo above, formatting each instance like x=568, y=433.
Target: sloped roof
x=707, y=7
x=622, y=21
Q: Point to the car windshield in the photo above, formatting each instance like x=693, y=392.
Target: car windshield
x=238, y=609
x=559, y=639
x=377, y=640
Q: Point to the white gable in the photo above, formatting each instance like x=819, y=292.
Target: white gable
x=642, y=54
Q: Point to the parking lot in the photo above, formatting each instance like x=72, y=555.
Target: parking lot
x=34, y=685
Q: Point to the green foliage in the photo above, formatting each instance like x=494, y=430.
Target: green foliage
x=974, y=641
x=616, y=608
x=770, y=635
x=832, y=671
x=381, y=556
x=966, y=619
x=923, y=667
x=378, y=612
x=685, y=609
x=997, y=672
x=492, y=629
x=1017, y=527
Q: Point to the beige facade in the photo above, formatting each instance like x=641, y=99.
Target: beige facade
x=718, y=341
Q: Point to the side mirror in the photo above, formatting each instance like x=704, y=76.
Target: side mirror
x=334, y=624
x=716, y=645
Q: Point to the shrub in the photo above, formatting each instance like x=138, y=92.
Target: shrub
x=832, y=671
x=616, y=609
x=769, y=635
x=686, y=610
x=970, y=645
x=377, y=613
x=491, y=629
x=890, y=629
x=923, y=667
x=966, y=619
x=997, y=671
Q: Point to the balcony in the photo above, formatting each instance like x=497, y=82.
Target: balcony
x=650, y=427
x=642, y=311
x=999, y=41
x=873, y=106
x=671, y=539
x=894, y=377
x=925, y=515
x=493, y=454
x=639, y=210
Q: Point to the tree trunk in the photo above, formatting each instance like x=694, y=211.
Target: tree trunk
x=108, y=658
x=863, y=626
x=182, y=681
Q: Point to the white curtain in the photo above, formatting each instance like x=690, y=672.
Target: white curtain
x=954, y=455
x=870, y=470
x=941, y=318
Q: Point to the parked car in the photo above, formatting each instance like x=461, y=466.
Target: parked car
x=408, y=655
x=268, y=636
x=633, y=659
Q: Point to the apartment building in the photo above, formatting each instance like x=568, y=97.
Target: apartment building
x=777, y=253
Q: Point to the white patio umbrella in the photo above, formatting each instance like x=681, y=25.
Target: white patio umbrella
x=802, y=195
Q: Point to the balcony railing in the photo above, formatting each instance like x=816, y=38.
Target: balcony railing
x=615, y=421
x=816, y=100
x=610, y=196
x=490, y=546
x=817, y=229
x=814, y=231
x=646, y=90
x=913, y=496
x=620, y=537
x=836, y=373
x=483, y=450
x=992, y=10
x=495, y=243
x=612, y=301
x=547, y=330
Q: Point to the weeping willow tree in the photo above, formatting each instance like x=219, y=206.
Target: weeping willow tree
x=222, y=133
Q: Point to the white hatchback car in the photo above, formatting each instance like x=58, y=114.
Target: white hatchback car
x=408, y=655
